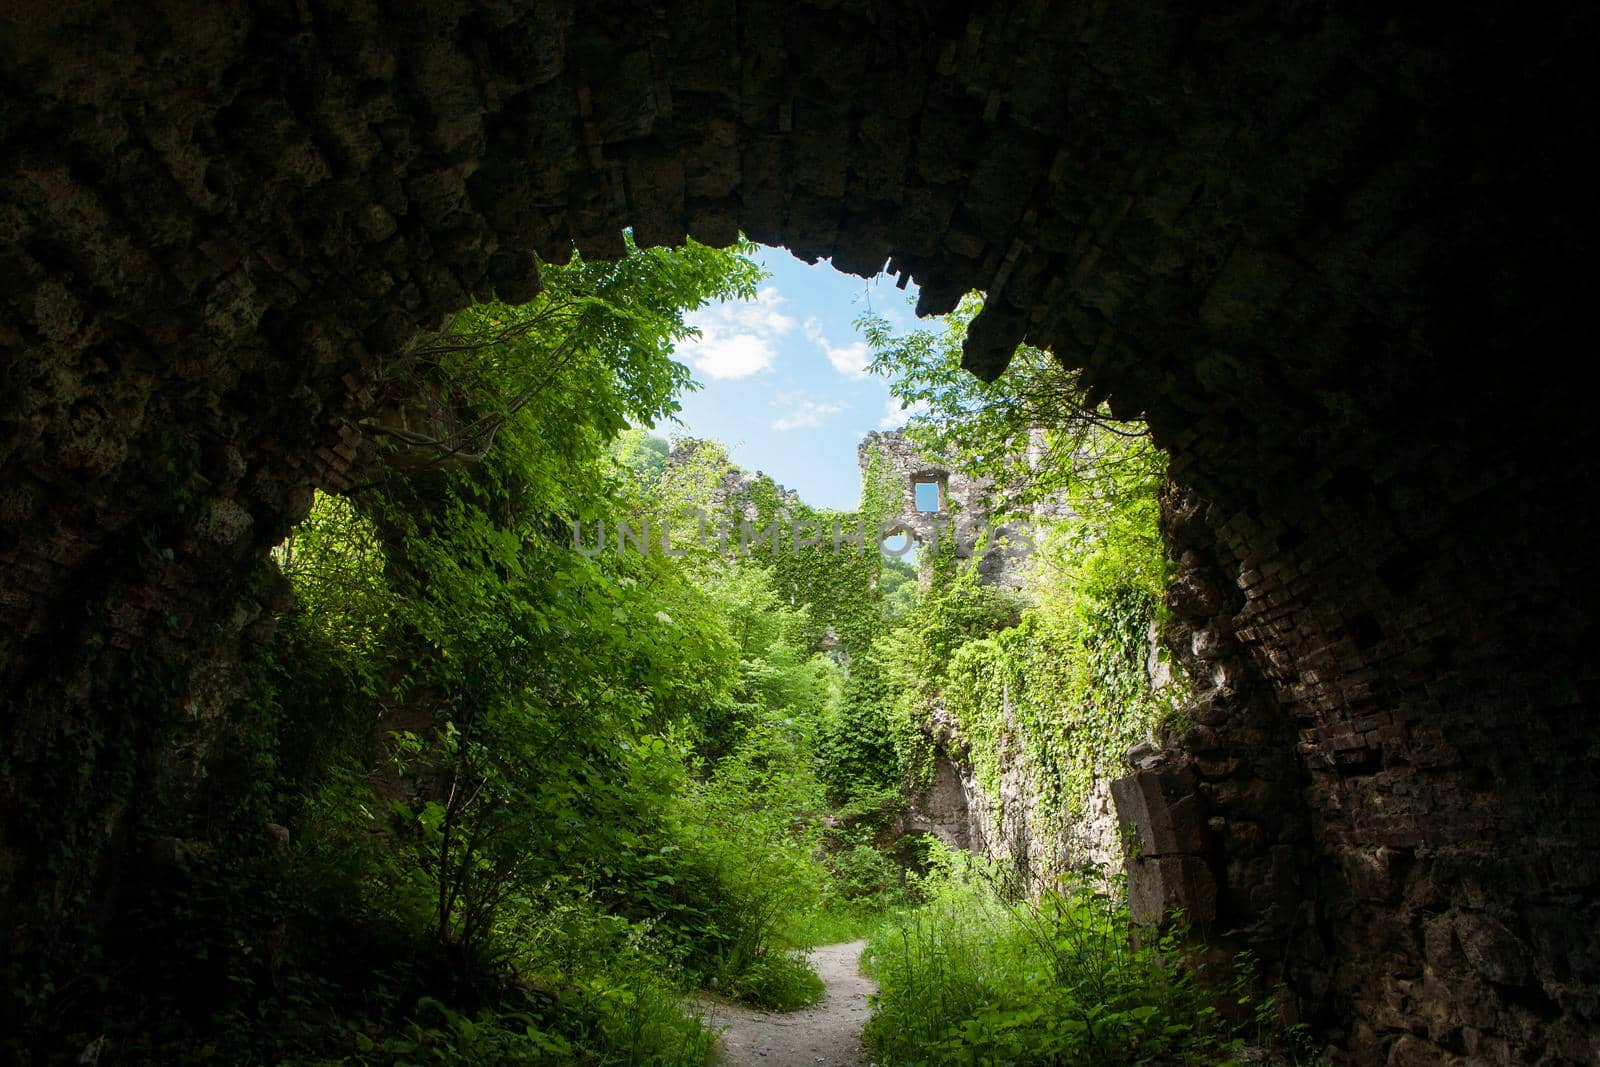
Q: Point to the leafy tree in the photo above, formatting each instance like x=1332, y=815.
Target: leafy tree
x=526, y=661
x=779, y=676
x=541, y=701
x=644, y=454
x=1034, y=430
x=897, y=581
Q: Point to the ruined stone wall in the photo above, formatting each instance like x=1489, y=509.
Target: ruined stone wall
x=1212, y=820
x=733, y=488
x=1011, y=827
x=962, y=513
x=1008, y=820
x=1328, y=254
x=950, y=807
x=1009, y=824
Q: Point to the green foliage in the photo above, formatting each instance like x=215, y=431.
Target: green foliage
x=1070, y=688
x=480, y=740
x=754, y=825
x=778, y=981
x=542, y=706
x=856, y=747
x=778, y=673
x=950, y=615
x=534, y=796
x=1034, y=431
x=335, y=562
x=897, y=583
x=822, y=559
x=833, y=924
x=1056, y=684
x=615, y=984
x=862, y=876
x=971, y=978
x=557, y=688
x=644, y=454
x=522, y=670
x=862, y=882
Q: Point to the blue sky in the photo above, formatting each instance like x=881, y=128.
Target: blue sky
x=783, y=377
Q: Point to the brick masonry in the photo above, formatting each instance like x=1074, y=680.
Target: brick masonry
x=1333, y=257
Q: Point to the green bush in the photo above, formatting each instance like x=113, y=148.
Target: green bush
x=862, y=876
x=613, y=989
x=856, y=754
x=751, y=830
x=971, y=978
x=777, y=980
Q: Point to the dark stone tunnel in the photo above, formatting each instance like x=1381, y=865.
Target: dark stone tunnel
x=1333, y=256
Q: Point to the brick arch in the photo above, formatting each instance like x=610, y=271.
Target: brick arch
x=1325, y=254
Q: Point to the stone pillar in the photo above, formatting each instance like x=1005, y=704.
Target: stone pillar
x=1164, y=845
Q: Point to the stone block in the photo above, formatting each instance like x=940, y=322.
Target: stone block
x=1159, y=813
x=1494, y=951
x=1413, y=1051
x=1160, y=885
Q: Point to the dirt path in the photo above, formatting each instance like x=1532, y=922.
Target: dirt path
x=828, y=1034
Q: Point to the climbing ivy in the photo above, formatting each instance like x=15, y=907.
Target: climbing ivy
x=1054, y=685
x=825, y=560
x=840, y=582
x=1060, y=689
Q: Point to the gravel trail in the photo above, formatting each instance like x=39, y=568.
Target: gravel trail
x=828, y=1035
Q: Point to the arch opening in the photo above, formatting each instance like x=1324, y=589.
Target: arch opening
x=1377, y=568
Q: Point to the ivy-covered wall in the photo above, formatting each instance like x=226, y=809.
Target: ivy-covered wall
x=1032, y=700
x=1047, y=718
x=825, y=559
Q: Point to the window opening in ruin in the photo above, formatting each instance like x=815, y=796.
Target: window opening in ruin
x=899, y=544
x=927, y=495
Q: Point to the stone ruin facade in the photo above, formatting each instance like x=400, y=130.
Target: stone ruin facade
x=950, y=505
x=734, y=484
x=1009, y=827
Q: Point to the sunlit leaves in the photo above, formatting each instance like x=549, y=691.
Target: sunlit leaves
x=335, y=563
x=1034, y=431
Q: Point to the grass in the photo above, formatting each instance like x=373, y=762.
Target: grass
x=832, y=926
x=777, y=981
x=970, y=977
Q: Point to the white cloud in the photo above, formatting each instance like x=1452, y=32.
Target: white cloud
x=805, y=412
x=849, y=360
x=896, y=414
x=733, y=356
x=761, y=315
x=736, y=337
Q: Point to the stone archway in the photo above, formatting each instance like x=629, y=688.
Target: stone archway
x=1317, y=250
